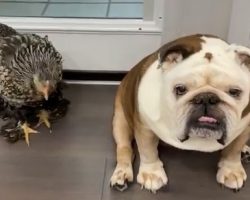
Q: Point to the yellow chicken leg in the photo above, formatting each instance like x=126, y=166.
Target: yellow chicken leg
x=44, y=118
x=27, y=130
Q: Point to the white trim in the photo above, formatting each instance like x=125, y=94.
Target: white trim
x=81, y=25
x=158, y=13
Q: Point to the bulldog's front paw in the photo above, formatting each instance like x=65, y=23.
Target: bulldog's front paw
x=152, y=176
x=231, y=174
x=121, y=176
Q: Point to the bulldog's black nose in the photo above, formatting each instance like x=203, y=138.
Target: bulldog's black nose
x=207, y=98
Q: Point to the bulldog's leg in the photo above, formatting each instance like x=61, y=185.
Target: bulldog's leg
x=124, y=154
x=245, y=154
x=246, y=149
x=231, y=172
x=151, y=172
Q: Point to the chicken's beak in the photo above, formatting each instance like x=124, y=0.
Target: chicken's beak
x=46, y=96
x=45, y=91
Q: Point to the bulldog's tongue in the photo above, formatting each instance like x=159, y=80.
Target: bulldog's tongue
x=207, y=119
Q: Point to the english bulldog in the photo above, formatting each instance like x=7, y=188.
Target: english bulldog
x=192, y=93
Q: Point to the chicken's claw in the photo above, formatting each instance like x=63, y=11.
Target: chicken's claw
x=44, y=118
x=27, y=130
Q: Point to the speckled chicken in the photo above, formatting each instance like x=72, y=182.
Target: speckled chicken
x=6, y=31
x=30, y=76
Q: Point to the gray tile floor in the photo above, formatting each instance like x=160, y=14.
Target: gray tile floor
x=117, y=9
x=77, y=160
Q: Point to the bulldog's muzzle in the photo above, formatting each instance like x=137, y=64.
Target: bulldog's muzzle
x=206, y=119
x=206, y=99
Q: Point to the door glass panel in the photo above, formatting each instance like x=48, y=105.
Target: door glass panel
x=100, y=9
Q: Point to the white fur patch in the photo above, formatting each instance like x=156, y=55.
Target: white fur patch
x=151, y=94
x=152, y=176
x=122, y=174
x=231, y=174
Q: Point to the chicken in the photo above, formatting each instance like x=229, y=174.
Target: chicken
x=6, y=31
x=30, y=79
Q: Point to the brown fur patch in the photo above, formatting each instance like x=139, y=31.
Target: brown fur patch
x=237, y=144
x=129, y=90
x=186, y=46
x=208, y=56
x=124, y=154
x=246, y=111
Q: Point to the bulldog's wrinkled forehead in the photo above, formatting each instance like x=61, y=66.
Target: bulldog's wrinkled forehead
x=210, y=61
x=214, y=53
x=222, y=54
x=203, y=49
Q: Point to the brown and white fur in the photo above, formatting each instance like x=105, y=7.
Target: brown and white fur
x=147, y=108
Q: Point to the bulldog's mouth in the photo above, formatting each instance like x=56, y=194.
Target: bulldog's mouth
x=206, y=127
x=207, y=122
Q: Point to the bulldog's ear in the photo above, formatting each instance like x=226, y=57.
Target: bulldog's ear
x=243, y=58
x=175, y=53
x=180, y=49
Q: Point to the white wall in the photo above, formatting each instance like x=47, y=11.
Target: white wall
x=184, y=17
x=239, y=31
x=115, y=52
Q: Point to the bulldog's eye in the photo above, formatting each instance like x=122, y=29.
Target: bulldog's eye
x=180, y=90
x=234, y=92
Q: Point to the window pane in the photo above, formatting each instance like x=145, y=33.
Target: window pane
x=113, y=9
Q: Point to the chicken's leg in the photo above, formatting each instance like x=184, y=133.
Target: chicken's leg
x=44, y=118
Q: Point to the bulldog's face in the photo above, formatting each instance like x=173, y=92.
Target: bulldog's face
x=205, y=90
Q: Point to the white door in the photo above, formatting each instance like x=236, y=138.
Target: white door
x=110, y=35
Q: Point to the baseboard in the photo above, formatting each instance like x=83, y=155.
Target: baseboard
x=78, y=75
